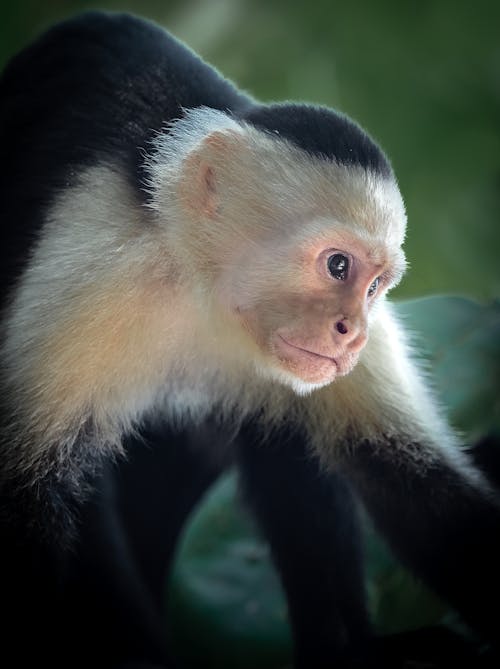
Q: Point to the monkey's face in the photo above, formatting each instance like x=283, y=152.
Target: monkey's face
x=299, y=249
x=308, y=306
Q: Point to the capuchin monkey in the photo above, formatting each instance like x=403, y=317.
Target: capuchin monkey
x=185, y=270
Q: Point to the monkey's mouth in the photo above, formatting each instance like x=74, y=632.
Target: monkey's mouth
x=308, y=365
x=307, y=351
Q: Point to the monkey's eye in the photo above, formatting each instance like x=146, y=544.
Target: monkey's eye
x=373, y=288
x=338, y=266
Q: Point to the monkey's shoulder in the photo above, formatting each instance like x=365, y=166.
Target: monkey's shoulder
x=106, y=82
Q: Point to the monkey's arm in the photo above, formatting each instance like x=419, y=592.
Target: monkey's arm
x=309, y=516
x=443, y=528
x=437, y=512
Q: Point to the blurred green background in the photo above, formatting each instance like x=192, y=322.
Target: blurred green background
x=422, y=77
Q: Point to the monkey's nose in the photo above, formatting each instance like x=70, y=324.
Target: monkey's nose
x=352, y=335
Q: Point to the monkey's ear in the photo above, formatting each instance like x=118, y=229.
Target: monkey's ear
x=199, y=188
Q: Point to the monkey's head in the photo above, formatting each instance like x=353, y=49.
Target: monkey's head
x=297, y=238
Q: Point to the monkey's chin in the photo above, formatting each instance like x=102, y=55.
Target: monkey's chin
x=291, y=380
x=304, y=370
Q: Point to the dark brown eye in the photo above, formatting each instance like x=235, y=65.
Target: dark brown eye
x=373, y=288
x=338, y=266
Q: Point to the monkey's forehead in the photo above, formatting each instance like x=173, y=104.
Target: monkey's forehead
x=357, y=190
x=318, y=194
x=360, y=201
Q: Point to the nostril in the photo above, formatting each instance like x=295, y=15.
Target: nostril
x=341, y=328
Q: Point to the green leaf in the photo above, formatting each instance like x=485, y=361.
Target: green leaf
x=225, y=592
x=460, y=339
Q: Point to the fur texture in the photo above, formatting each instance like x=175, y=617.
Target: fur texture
x=165, y=261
